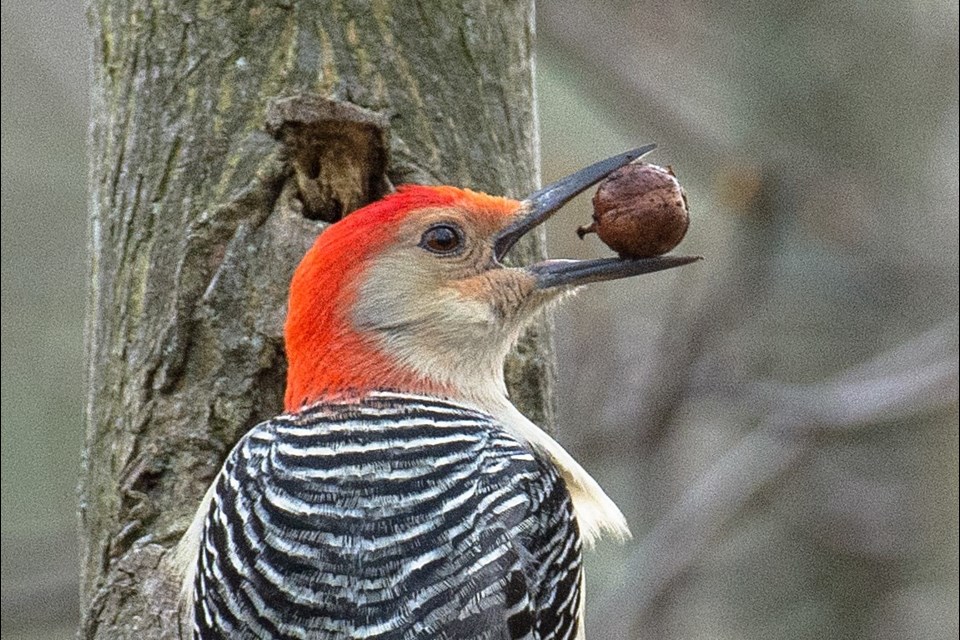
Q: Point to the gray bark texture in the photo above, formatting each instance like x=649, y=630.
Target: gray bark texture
x=223, y=135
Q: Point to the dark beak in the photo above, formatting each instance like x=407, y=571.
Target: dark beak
x=544, y=203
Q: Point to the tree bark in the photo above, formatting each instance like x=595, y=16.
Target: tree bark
x=198, y=218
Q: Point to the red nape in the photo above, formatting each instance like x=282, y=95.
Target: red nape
x=326, y=355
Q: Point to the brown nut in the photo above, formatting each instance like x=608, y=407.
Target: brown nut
x=639, y=211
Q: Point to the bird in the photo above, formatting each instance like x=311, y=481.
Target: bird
x=401, y=494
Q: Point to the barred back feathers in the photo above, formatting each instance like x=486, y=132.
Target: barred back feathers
x=389, y=516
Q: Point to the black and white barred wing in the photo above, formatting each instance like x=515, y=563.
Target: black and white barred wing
x=396, y=518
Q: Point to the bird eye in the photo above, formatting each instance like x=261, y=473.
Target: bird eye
x=442, y=239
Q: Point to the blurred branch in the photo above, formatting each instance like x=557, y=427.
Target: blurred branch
x=688, y=334
x=640, y=66
x=679, y=539
x=861, y=396
x=926, y=380
x=598, y=39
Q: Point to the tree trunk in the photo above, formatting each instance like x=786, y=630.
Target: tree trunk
x=198, y=217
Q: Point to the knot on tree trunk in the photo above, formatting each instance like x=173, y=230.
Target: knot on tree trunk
x=339, y=152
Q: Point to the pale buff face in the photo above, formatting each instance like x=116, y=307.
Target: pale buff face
x=449, y=316
x=453, y=318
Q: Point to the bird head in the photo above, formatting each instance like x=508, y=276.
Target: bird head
x=410, y=293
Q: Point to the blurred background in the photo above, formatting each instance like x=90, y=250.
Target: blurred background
x=779, y=422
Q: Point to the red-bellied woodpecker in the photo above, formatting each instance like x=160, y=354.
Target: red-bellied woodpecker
x=402, y=495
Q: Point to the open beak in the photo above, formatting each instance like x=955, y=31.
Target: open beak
x=542, y=204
